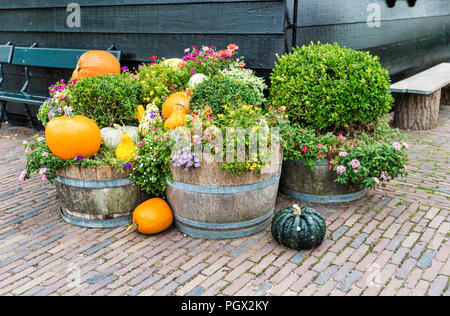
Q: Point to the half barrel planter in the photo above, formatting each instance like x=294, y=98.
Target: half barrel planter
x=97, y=197
x=302, y=183
x=210, y=203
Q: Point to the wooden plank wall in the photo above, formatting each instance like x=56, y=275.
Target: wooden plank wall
x=142, y=28
x=408, y=40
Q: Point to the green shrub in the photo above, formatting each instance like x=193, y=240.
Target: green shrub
x=107, y=100
x=330, y=87
x=220, y=91
x=247, y=77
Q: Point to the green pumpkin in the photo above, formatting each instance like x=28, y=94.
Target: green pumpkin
x=299, y=228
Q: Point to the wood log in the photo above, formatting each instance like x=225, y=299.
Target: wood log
x=445, y=96
x=417, y=111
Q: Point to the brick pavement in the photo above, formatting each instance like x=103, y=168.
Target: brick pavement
x=394, y=241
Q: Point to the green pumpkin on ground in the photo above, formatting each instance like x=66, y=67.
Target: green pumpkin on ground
x=299, y=228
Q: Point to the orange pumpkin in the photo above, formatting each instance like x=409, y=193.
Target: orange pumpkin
x=176, y=119
x=71, y=136
x=152, y=217
x=178, y=98
x=140, y=112
x=96, y=63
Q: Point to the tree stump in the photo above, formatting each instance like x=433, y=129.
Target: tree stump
x=445, y=96
x=417, y=111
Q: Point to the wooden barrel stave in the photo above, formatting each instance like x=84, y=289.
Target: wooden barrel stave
x=212, y=204
x=97, y=197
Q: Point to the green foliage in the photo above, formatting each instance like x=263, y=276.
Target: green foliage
x=107, y=100
x=158, y=81
x=330, y=87
x=151, y=169
x=377, y=162
x=221, y=91
x=247, y=77
x=380, y=155
x=40, y=158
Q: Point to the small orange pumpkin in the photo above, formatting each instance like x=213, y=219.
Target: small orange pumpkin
x=176, y=119
x=73, y=135
x=96, y=63
x=178, y=98
x=152, y=217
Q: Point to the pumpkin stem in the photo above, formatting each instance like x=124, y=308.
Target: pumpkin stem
x=117, y=126
x=297, y=209
x=131, y=228
x=68, y=112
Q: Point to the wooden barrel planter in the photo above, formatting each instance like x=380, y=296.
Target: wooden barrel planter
x=316, y=186
x=97, y=197
x=212, y=204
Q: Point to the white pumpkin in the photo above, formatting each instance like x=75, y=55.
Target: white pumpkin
x=111, y=135
x=172, y=62
x=196, y=80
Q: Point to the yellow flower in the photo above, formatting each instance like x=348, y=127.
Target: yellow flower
x=152, y=92
x=220, y=115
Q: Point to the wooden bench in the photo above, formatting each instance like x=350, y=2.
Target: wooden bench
x=418, y=98
x=35, y=57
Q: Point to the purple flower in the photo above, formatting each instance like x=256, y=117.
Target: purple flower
x=127, y=166
x=124, y=68
x=79, y=158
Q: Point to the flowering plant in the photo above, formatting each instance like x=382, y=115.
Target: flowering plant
x=366, y=159
x=159, y=80
x=209, y=61
x=41, y=160
x=59, y=98
x=151, y=169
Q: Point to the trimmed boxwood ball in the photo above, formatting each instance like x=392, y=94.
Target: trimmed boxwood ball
x=330, y=87
x=299, y=228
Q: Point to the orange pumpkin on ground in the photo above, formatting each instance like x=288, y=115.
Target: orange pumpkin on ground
x=152, y=217
x=71, y=136
x=176, y=119
x=96, y=63
x=178, y=98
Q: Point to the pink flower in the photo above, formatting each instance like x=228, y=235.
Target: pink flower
x=305, y=149
x=44, y=178
x=356, y=170
x=321, y=156
x=384, y=175
x=343, y=154
x=355, y=163
x=45, y=154
x=397, y=146
x=405, y=145
x=241, y=64
x=341, y=170
x=232, y=47
x=22, y=176
x=377, y=181
x=340, y=137
x=42, y=171
x=192, y=72
x=319, y=146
